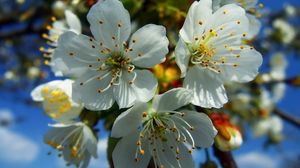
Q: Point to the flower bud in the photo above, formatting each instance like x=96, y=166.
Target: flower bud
x=229, y=136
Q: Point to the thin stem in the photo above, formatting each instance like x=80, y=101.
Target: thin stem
x=225, y=158
x=288, y=117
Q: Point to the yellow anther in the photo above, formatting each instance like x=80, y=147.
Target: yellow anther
x=44, y=35
x=142, y=152
x=53, y=18
x=42, y=49
x=53, y=115
x=48, y=27
x=59, y=147
x=45, y=90
x=145, y=114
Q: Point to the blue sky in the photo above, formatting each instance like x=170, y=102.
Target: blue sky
x=21, y=145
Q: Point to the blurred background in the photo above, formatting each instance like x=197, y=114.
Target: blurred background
x=267, y=142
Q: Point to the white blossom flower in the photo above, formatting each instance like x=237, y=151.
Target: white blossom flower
x=70, y=23
x=287, y=32
x=272, y=125
x=251, y=7
x=278, y=66
x=107, y=68
x=57, y=100
x=290, y=10
x=210, y=52
x=33, y=72
x=265, y=102
x=161, y=133
x=76, y=141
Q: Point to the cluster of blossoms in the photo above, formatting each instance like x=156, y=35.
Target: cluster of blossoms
x=113, y=67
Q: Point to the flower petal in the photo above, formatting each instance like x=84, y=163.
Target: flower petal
x=208, y=91
x=88, y=88
x=144, y=85
x=90, y=140
x=185, y=158
x=196, y=19
x=73, y=21
x=130, y=119
x=172, y=99
x=242, y=67
x=255, y=26
x=124, y=93
x=204, y=131
x=110, y=23
x=229, y=23
x=124, y=153
x=76, y=52
x=182, y=56
x=149, y=46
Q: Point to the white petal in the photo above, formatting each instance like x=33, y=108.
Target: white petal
x=149, y=46
x=276, y=124
x=182, y=56
x=172, y=99
x=230, y=23
x=216, y=4
x=204, y=131
x=247, y=65
x=196, y=19
x=77, y=52
x=254, y=28
x=207, y=90
x=124, y=93
x=185, y=158
x=144, y=85
x=91, y=141
x=278, y=91
x=107, y=19
x=124, y=153
x=73, y=21
x=86, y=90
x=170, y=154
x=129, y=121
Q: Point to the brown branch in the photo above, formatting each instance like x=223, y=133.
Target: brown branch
x=288, y=117
x=225, y=158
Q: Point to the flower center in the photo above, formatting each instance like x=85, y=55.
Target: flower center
x=164, y=131
x=203, y=53
x=115, y=64
x=56, y=102
x=117, y=61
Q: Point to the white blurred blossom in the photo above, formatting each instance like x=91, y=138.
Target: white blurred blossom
x=290, y=10
x=272, y=125
x=287, y=32
x=33, y=72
